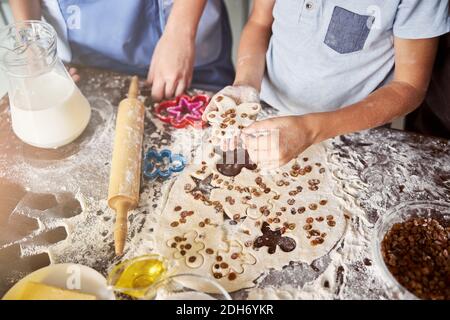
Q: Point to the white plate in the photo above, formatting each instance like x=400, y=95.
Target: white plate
x=68, y=275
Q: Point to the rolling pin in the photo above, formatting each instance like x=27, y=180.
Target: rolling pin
x=125, y=177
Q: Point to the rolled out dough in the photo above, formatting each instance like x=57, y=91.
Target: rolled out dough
x=215, y=235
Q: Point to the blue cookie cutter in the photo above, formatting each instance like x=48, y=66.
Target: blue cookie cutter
x=154, y=161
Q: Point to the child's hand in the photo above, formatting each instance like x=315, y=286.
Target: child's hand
x=172, y=66
x=73, y=72
x=274, y=142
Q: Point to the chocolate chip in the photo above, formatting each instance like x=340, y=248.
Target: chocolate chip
x=217, y=275
x=313, y=206
x=234, y=256
x=177, y=208
x=331, y=223
x=209, y=251
x=309, y=220
x=232, y=276
x=301, y=210
x=293, y=173
x=316, y=241
x=224, y=265
x=367, y=262
x=307, y=227
x=323, y=202
x=192, y=259
x=174, y=224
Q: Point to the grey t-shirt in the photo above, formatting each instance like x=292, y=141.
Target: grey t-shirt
x=327, y=54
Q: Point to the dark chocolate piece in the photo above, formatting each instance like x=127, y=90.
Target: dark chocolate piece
x=203, y=186
x=272, y=239
x=234, y=161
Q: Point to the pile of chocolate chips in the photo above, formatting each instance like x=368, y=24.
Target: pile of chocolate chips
x=416, y=252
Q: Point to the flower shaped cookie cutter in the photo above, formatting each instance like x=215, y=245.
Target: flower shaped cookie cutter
x=162, y=164
x=183, y=111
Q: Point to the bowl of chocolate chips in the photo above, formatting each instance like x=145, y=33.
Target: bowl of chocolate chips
x=412, y=249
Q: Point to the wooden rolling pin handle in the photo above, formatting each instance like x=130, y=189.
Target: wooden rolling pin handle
x=133, y=91
x=121, y=226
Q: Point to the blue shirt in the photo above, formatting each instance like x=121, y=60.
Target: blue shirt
x=121, y=36
x=327, y=54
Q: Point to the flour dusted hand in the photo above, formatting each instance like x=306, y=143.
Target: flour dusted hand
x=272, y=143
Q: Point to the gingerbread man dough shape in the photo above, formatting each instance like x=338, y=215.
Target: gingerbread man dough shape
x=230, y=117
x=186, y=247
x=231, y=263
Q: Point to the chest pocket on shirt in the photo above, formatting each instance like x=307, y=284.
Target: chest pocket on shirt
x=348, y=31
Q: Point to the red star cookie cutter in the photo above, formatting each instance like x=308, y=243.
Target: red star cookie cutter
x=183, y=111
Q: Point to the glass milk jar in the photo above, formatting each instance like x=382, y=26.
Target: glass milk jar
x=47, y=108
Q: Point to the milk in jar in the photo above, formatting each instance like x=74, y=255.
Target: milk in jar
x=52, y=112
x=47, y=108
